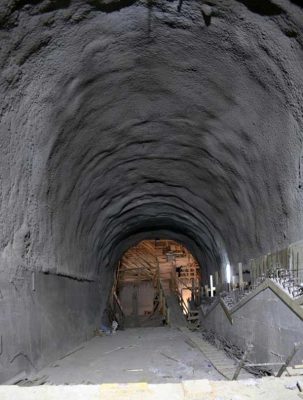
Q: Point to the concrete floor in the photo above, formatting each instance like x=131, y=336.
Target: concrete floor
x=144, y=363
x=152, y=355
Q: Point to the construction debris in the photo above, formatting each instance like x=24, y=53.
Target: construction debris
x=37, y=381
x=234, y=352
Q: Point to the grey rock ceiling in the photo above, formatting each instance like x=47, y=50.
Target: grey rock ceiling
x=128, y=119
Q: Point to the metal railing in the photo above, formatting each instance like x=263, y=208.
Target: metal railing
x=191, y=314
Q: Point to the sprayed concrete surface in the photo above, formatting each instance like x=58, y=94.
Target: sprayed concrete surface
x=119, y=118
x=264, y=321
x=153, y=355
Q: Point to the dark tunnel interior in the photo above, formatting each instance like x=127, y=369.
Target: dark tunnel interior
x=130, y=120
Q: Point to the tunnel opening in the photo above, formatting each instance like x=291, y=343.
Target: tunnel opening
x=149, y=272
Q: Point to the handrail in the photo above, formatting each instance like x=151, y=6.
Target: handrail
x=182, y=303
x=175, y=283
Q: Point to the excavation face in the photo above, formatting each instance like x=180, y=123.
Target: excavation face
x=122, y=122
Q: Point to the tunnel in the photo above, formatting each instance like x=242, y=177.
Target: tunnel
x=131, y=120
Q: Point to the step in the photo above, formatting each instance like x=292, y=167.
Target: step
x=223, y=364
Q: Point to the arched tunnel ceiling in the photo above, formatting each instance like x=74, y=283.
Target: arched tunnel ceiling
x=121, y=118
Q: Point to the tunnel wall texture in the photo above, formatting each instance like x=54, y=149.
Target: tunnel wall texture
x=120, y=118
x=42, y=317
x=266, y=322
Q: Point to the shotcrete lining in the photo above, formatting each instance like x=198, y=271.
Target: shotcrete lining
x=148, y=119
x=118, y=126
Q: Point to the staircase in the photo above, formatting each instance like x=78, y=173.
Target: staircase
x=176, y=316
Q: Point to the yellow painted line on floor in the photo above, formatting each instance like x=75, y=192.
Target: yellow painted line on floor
x=117, y=391
x=262, y=389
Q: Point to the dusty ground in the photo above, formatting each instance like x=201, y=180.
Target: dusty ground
x=142, y=364
x=153, y=355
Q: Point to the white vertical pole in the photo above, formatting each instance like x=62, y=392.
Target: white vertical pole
x=212, y=288
x=228, y=275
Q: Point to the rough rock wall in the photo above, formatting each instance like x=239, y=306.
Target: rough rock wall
x=121, y=118
x=43, y=316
